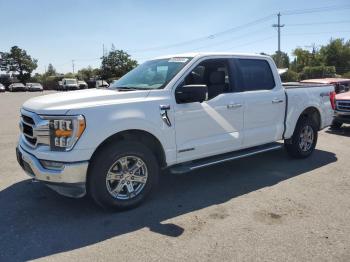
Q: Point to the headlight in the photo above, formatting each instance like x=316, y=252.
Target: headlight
x=65, y=131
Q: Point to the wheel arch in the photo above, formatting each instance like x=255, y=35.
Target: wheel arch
x=142, y=136
x=314, y=114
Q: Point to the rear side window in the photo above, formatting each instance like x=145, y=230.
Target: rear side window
x=255, y=74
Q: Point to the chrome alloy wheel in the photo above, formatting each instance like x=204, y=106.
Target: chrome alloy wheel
x=127, y=177
x=306, y=138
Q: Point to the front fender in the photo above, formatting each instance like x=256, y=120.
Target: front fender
x=102, y=125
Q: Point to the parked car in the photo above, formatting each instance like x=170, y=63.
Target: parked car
x=340, y=84
x=17, y=87
x=342, y=99
x=2, y=88
x=69, y=84
x=98, y=84
x=82, y=85
x=182, y=113
x=342, y=110
x=34, y=87
x=101, y=84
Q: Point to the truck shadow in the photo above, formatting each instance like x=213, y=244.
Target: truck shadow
x=36, y=222
x=343, y=131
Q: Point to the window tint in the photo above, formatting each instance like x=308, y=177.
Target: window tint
x=255, y=74
x=214, y=74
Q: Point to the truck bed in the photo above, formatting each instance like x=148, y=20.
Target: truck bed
x=289, y=85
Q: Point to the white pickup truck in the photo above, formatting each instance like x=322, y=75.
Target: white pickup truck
x=180, y=112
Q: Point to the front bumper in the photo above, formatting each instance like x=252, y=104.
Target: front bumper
x=342, y=117
x=69, y=180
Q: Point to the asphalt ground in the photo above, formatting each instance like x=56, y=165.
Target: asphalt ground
x=268, y=207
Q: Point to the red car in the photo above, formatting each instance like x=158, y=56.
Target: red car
x=342, y=99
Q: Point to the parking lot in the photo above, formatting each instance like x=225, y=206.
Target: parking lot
x=263, y=208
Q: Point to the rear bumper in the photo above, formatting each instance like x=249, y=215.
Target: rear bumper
x=342, y=117
x=68, y=180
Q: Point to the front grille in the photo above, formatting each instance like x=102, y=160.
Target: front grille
x=35, y=129
x=27, y=129
x=28, y=120
x=343, y=105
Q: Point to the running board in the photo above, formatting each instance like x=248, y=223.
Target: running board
x=209, y=161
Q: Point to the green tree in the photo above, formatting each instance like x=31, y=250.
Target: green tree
x=302, y=59
x=88, y=73
x=116, y=64
x=337, y=54
x=19, y=62
x=281, y=59
x=51, y=71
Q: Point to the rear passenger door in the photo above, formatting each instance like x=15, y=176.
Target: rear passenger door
x=264, y=102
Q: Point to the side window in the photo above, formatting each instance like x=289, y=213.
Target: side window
x=255, y=74
x=214, y=74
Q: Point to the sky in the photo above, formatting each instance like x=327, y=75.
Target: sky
x=59, y=31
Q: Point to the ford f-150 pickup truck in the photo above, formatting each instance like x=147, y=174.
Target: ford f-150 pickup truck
x=181, y=112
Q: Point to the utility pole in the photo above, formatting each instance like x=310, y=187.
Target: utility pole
x=278, y=25
x=73, y=65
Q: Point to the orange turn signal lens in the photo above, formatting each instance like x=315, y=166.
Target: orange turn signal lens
x=81, y=127
x=63, y=133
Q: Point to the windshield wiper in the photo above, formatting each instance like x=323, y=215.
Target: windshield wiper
x=129, y=88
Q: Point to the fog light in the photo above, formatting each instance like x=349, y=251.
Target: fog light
x=52, y=164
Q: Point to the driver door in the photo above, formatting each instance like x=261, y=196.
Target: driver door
x=214, y=126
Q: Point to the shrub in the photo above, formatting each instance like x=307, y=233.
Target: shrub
x=346, y=75
x=317, y=72
x=290, y=76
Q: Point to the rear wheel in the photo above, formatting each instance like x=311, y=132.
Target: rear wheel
x=304, y=139
x=122, y=175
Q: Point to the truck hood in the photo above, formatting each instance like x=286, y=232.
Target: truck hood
x=61, y=103
x=343, y=96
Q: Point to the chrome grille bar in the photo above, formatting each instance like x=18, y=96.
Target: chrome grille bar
x=35, y=130
x=343, y=105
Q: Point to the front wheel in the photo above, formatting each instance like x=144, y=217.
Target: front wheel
x=304, y=139
x=122, y=175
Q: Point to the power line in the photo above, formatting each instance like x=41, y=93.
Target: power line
x=208, y=37
x=252, y=23
x=320, y=23
x=316, y=10
x=230, y=39
x=318, y=33
x=253, y=42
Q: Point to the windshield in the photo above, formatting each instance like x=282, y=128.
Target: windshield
x=71, y=82
x=153, y=74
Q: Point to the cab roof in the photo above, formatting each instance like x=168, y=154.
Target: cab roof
x=203, y=54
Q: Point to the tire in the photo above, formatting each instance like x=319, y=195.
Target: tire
x=112, y=157
x=336, y=124
x=297, y=146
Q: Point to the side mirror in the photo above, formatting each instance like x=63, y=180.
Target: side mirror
x=191, y=93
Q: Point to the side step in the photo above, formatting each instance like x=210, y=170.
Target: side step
x=208, y=161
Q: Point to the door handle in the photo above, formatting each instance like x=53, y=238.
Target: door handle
x=277, y=101
x=233, y=106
